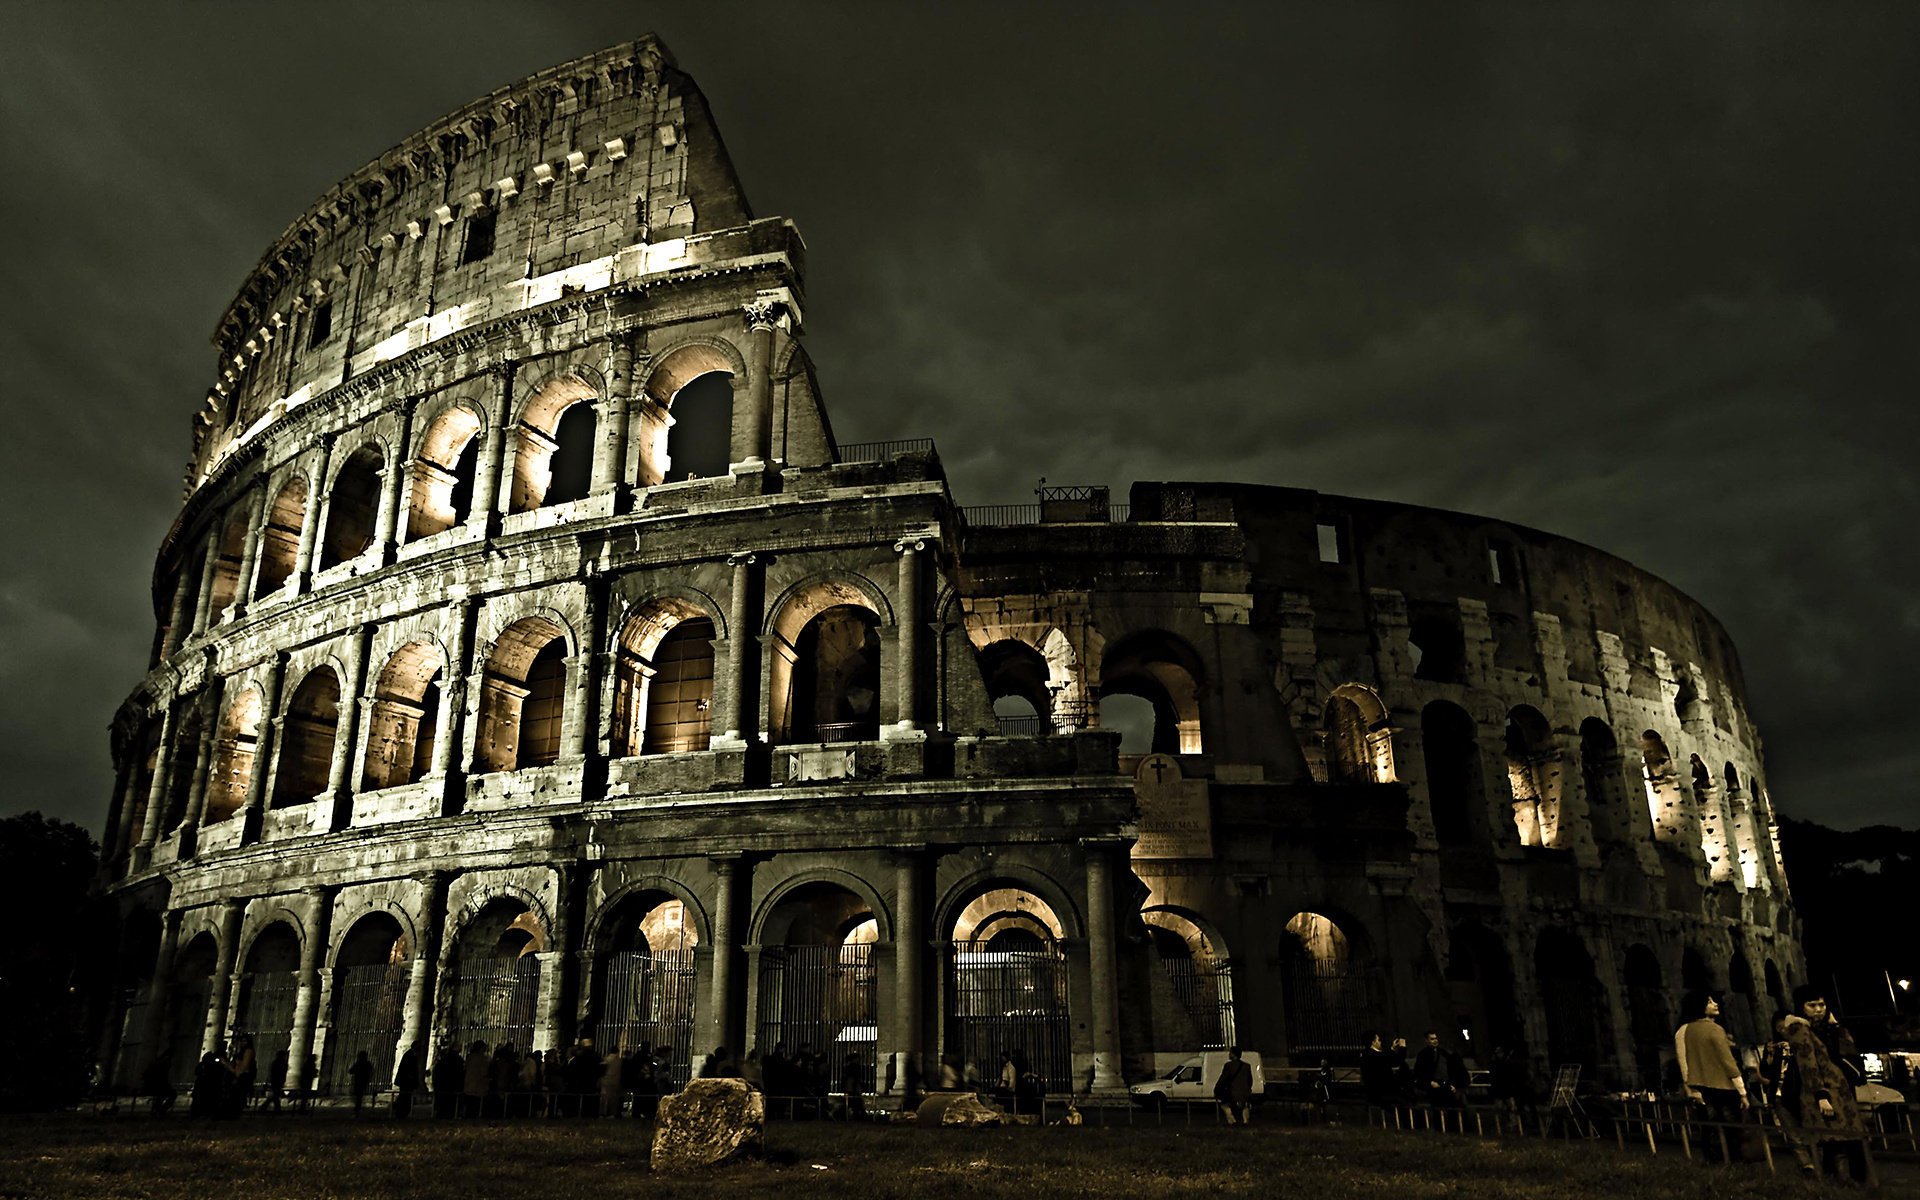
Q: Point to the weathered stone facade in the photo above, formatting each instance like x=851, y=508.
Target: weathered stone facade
x=471, y=714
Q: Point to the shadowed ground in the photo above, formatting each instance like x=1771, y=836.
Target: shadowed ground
x=323, y=1157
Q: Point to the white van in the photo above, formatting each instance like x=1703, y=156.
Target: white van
x=1194, y=1080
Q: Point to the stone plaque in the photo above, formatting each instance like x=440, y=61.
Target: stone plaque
x=811, y=765
x=1176, y=818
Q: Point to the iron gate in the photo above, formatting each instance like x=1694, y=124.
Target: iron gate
x=133, y=1029
x=187, y=1028
x=1330, y=1006
x=1011, y=1002
x=1572, y=1021
x=494, y=1002
x=369, y=1013
x=266, y=1015
x=1205, y=992
x=647, y=999
x=820, y=999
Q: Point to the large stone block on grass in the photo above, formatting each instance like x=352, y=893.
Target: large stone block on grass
x=713, y=1121
x=959, y=1110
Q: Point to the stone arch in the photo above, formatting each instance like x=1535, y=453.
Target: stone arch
x=847, y=881
x=523, y=693
x=1648, y=1020
x=486, y=895
x=446, y=468
x=641, y=947
x=1007, y=990
x=1662, y=785
x=279, y=550
x=1570, y=992
x=353, y=503
x=1480, y=982
x=1533, y=776
x=1450, y=739
x=189, y=732
x=663, y=675
x=1193, y=959
x=692, y=451
x=1359, y=736
x=372, y=968
x=230, y=549
x=1021, y=875
x=1018, y=684
x=553, y=439
x=826, y=679
x=353, y=912
x=309, y=725
x=189, y=994
x=1328, y=981
x=1160, y=667
x=402, y=723
x=238, y=738
x=492, y=955
x=639, y=886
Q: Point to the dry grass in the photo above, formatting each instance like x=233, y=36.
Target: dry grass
x=269, y=1159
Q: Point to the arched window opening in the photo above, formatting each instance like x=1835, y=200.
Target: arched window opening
x=684, y=425
x=1656, y=768
x=444, y=472
x=351, y=507
x=306, y=746
x=1016, y=678
x=663, y=681
x=1200, y=975
x=553, y=459
x=818, y=1007
x=1132, y=717
x=280, y=541
x=1439, y=650
x=522, y=700
x=189, y=731
x=369, y=1000
x=1647, y=1017
x=1533, y=776
x=1480, y=983
x=1359, y=740
x=232, y=773
x=645, y=999
x=836, y=677
x=1328, y=988
x=1165, y=672
x=1453, y=774
x=404, y=722
x=1694, y=974
x=264, y=1011
x=1600, y=767
x=496, y=977
x=147, y=761
x=1570, y=993
x=226, y=567
x=188, y=994
x=1007, y=984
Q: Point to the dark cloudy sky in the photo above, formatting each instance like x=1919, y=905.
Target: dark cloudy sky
x=1644, y=275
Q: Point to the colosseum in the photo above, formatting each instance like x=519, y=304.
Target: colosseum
x=534, y=664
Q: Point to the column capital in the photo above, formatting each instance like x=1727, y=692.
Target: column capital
x=763, y=313
x=914, y=544
x=743, y=558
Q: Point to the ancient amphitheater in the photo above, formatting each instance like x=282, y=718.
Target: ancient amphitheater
x=490, y=701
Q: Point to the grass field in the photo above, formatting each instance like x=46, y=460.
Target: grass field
x=270, y=1159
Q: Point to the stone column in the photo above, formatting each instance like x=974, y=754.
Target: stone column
x=266, y=741
x=202, y=765
x=556, y=966
x=226, y=976
x=487, y=478
x=1102, y=978
x=907, y=677
x=310, y=519
x=393, y=480
x=156, y=792
x=753, y=424
x=452, y=705
x=577, y=722
x=154, y=1020
x=250, y=555
x=119, y=811
x=347, y=732
x=203, y=613
x=417, y=1022
x=612, y=415
x=721, y=1025
x=742, y=726
x=177, y=618
x=909, y=940
x=306, y=1000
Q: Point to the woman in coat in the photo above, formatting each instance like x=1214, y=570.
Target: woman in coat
x=1828, y=1114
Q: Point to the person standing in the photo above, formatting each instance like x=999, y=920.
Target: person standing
x=1780, y=1078
x=1378, y=1070
x=360, y=1080
x=406, y=1081
x=448, y=1075
x=474, y=1078
x=1439, y=1073
x=1829, y=1112
x=1234, y=1089
x=276, y=1081
x=1708, y=1068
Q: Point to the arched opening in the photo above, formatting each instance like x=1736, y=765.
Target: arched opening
x=1570, y=993
x=1200, y=975
x=1600, y=773
x=684, y=424
x=369, y=999
x=188, y=994
x=1359, y=740
x=1695, y=976
x=1647, y=1018
x=1165, y=672
x=351, y=507
x=146, y=762
x=1656, y=768
x=189, y=731
x=1007, y=985
x=1533, y=776
x=238, y=737
x=1327, y=987
x=663, y=681
x=404, y=722
x=496, y=976
x=818, y=1009
x=1740, y=1007
x=836, y=677
x=280, y=541
x=1480, y=984
x=269, y=985
x=1016, y=678
x=1776, y=987
x=444, y=472
x=187, y=591
x=306, y=743
x=1449, y=738
x=645, y=999
x=226, y=566
x=1132, y=717
x=553, y=459
x=523, y=697
x=1438, y=648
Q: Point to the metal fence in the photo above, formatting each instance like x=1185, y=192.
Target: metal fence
x=1011, y=1002
x=265, y=1015
x=1330, y=1007
x=494, y=1002
x=647, y=1000
x=820, y=1000
x=1000, y=515
x=1205, y=992
x=369, y=1013
x=187, y=1027
x=856, y=452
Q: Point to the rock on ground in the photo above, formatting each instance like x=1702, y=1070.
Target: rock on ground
x=712, y=1121
x=960, y=1109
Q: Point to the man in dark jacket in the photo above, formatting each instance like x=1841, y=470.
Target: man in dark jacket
x=1439, y=1073
x=1234, y=1088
